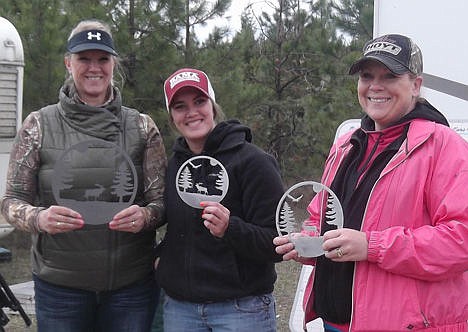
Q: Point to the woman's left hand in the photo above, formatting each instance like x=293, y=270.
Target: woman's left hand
x=345, y=244
x=216, y=218
x=131, y=219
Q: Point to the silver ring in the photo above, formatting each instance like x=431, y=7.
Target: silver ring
x=133, y=223
x=58, y=223
x=339, y=253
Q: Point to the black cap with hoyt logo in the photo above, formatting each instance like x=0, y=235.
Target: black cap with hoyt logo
x=398, y=53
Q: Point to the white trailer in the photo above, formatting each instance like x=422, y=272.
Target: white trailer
x=439, y=30
x=11, y=99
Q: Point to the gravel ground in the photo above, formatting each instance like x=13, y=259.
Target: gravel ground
x=18, y=270
x=285, y=290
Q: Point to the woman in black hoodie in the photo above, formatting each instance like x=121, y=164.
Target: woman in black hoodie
x=217, y=258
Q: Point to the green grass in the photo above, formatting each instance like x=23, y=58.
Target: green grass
x=18, y=270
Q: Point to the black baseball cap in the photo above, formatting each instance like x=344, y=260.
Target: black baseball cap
x=91, y=40
x=397, y=52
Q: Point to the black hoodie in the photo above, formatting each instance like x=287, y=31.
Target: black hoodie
x=194, y=265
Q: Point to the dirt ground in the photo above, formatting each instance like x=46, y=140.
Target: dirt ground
x=18, y=270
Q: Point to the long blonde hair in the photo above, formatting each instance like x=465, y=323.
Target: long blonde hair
x=90, y=25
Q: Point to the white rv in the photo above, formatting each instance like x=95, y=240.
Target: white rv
x=11, y=99
x=439, y=30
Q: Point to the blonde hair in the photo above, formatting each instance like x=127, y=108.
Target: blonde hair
x=90, y=25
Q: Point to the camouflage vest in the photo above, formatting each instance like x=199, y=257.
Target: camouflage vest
x=84, y=160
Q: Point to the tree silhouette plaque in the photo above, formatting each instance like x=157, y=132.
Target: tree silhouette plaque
x=201, y=178
x=96, y=198
x=292, y=214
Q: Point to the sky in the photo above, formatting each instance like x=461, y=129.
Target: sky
x=232, y=16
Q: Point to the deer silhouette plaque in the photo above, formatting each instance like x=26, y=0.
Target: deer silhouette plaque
x=96, y=198
x=292, y=216
x=201, y=178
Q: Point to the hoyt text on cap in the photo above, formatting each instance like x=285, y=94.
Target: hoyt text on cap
x=397, y=52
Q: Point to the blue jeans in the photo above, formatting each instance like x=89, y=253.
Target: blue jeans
x=252, y=313
x=65, y=309
x=329, y=328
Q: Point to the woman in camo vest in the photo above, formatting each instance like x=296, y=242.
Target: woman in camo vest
x=86, y=178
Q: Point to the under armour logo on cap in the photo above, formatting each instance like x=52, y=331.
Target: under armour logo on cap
x=91, y=40
x=91, y=35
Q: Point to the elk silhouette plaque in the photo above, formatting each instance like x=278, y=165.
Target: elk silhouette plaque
x=292, y=216
x=201, y=178
x=97, y=198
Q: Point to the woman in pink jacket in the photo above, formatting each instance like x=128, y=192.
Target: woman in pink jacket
x=400, y=263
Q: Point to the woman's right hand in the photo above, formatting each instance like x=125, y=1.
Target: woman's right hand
x=59, y=219
x=285, y=247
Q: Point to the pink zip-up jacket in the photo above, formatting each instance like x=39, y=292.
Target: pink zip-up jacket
x=416, y=221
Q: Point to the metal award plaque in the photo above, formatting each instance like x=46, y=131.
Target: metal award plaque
x=99, y=198
x=201, y=178
x=292, y=216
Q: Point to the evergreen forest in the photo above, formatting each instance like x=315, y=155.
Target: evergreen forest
x=284, y=73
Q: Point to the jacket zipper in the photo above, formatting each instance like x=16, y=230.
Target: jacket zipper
x=385, y=172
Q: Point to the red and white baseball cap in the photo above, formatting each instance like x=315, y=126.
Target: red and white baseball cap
x=187, y=77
